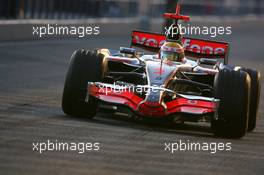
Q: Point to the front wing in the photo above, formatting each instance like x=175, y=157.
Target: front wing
x=187, y=104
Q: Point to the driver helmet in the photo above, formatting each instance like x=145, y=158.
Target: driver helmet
x=172, y=51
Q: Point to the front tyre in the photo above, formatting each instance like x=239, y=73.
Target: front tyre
x=233, y=90
x=84, y=66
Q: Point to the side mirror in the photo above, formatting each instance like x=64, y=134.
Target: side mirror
x=127, y=50
x=206, y=61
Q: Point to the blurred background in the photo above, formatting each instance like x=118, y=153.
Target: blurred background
x=126, y=14
x=82, y=9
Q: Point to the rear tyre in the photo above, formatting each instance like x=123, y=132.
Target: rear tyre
x=84, y=66
x=233, y=90
x=254, y=97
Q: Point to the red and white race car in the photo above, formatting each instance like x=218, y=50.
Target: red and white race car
x=201, y=88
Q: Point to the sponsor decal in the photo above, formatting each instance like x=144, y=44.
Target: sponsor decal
x=154, y=40
x=192, y=102
x=159, y=71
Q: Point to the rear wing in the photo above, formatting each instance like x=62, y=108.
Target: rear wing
x=195, y=48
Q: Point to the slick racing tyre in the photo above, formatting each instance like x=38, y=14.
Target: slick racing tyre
x=85, y=66
x=233, y=90
x=254, y=97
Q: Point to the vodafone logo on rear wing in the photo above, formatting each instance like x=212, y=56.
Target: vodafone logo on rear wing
x=196, y=48
x=153, y=40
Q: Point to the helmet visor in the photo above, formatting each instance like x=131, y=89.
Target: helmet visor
x=170, y=56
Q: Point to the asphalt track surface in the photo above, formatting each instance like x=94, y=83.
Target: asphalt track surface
x=31, y=81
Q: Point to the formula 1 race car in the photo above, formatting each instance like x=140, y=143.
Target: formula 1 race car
x=199, y=87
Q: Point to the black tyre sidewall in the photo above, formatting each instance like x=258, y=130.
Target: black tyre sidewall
x=232, y=88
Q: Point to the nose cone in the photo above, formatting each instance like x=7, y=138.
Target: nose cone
x=151, y=109
x=158, y=73
x=158, y=76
